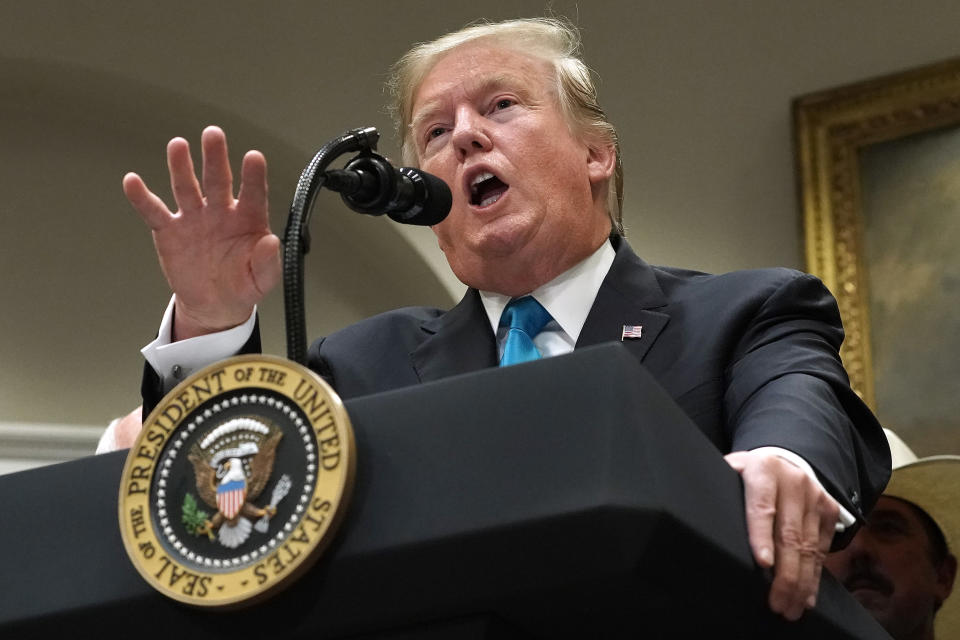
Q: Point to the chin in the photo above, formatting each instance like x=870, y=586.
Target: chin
x=499, y=239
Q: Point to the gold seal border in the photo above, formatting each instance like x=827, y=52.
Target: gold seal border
x=333, y=443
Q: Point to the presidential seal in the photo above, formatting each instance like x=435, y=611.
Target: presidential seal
x=237, y=482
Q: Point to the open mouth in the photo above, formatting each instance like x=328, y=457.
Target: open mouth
x=486, y=188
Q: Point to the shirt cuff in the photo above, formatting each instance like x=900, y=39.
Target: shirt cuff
x=846, y=519
x=174, y=361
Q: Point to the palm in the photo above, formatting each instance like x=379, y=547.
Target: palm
x=216, y=251
x=205, y=256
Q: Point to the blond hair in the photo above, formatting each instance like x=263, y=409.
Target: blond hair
x=552, y=40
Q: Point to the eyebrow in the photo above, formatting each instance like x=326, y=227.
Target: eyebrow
x=881, y=514
x=887, y=516
x=485, y=86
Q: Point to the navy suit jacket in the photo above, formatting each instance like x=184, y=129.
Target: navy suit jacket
x=751, y=357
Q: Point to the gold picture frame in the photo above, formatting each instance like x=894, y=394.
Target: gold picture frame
x=832, y=129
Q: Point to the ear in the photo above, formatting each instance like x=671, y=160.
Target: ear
x=601, y=162
x=946, y=573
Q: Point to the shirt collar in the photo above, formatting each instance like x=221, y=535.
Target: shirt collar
x=568, y=297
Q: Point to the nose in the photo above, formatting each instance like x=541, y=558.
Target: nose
x=862, y=550
x=858, y=554
x=863, y=544
x=469, y=135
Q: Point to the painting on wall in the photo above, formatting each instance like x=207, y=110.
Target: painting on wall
x=879, y=178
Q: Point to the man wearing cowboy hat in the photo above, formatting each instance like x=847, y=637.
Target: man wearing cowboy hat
x=899, y=566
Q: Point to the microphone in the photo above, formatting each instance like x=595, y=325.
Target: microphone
x=370, y=184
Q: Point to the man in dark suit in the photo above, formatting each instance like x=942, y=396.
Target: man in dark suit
x=507, y=115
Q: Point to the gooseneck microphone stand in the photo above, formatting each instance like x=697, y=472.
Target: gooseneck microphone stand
x=296, y=237
x=367, y=184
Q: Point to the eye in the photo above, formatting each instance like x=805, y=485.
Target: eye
x=503, y=103
x=436, y=132
x=888, y=528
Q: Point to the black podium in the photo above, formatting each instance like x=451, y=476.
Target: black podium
x=561, y=498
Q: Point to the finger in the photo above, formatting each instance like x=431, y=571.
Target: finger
x=790, y=589
x=150, y=207
x=265, y=264
x=829, y=513
x=217, y=177
x=760, y=496
x=253, y=184
x=738, y=460
x=809, y=551
x=183, y=180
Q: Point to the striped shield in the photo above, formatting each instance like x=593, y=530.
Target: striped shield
x=230, y=497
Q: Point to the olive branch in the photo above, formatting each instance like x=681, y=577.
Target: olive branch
x=192, y=517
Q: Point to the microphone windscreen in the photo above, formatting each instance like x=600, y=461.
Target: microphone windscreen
x=435, y=204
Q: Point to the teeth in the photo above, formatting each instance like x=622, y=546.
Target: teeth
x=488, y=201
x=480, y=177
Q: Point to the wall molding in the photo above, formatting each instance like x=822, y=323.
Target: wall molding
x=25, y=445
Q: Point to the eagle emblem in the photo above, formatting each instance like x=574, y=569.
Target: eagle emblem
x=232, y=466
x=237, y=482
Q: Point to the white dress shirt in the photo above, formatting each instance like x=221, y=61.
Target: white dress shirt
x=567, y=298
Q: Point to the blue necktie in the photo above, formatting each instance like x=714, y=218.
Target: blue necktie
x=526, y=318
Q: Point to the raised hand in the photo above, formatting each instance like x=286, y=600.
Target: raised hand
x=217, y=252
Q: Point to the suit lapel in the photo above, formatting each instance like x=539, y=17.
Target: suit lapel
x=461, y=342
x=627, y=296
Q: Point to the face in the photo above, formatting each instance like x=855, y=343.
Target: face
x=888, y=569
x=528, y=195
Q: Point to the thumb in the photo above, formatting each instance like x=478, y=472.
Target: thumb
x=265, y=263
x=738, y=460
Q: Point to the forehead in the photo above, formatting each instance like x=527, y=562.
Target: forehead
x=893, y=503
x=891, y=508
x=473, y=69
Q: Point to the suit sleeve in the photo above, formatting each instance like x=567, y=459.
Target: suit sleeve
x=787, y=388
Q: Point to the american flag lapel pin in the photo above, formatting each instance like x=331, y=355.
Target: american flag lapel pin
x=631, y=332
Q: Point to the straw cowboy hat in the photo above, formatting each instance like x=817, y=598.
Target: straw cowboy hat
x=933, y=484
